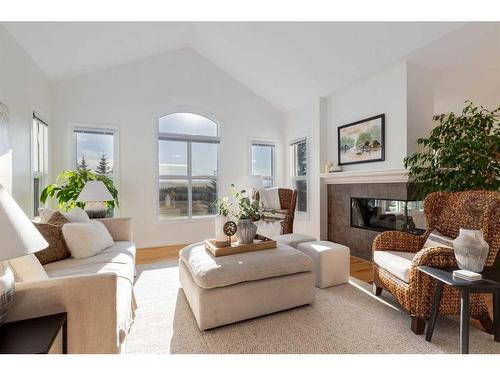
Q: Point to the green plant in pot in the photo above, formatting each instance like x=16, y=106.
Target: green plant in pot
x=461, y=153
x=249, y=210
x=69, y=184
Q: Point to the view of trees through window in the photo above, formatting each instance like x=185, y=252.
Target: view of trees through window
x=188, y=147
x=94, y=150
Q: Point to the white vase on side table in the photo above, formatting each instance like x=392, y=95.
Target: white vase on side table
x=471, y=250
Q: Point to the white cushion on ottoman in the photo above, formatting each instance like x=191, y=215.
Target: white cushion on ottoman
x=294, y=239
x=331, y=262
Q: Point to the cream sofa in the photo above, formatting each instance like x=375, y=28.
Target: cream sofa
x=96, y=292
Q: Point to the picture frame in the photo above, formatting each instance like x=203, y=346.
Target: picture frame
x=362, y=141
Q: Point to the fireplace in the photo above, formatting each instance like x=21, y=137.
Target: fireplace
x=378, y=206
x=387, y=214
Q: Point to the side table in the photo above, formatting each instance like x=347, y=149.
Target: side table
x=466, y=287
x=33, y=336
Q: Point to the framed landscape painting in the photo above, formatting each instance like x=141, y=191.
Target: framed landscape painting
x=362, y=141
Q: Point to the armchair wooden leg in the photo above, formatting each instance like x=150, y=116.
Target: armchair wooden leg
x=417, y=325
x=376, y=289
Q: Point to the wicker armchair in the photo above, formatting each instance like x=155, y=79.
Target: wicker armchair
x=447, y=213
x=288, y=200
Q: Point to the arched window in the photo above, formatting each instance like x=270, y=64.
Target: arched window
x=188, y=148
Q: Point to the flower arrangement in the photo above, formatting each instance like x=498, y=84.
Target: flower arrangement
x=224, y=206
x=249, y=208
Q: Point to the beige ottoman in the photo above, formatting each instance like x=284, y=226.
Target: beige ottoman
x=293, y=239
x=331, y=262
x=228, y=289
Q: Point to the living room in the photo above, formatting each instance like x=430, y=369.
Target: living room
x=188, y=187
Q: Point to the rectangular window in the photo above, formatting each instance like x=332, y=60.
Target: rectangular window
x=39, y=150
x=299, y=172
x=187, y=172
x=95, y=150
x=263, y=162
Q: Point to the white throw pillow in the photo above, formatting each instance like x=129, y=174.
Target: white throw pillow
x=28, y=268
x=86, y=239
x=437, y=239
x=75, y=215
x=45, y=214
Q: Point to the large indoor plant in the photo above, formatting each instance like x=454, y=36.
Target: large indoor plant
x=461, y=153
x=249, y=210
x=69, y=184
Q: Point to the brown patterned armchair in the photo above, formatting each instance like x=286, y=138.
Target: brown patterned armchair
x=447, y=213
x=288, y=200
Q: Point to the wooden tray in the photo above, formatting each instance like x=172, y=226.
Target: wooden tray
x=236, y=248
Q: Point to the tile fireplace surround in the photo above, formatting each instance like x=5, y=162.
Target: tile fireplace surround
x=341, y=186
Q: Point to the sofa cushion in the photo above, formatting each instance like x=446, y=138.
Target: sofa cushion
x=118, y=259
x=57, y=249
x=396, y=262
x=214, y=272
x=86, y=239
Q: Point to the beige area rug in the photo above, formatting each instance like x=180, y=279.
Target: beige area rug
x=343, y=319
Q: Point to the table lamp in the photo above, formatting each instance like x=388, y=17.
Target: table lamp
x=95, y=194
x=18, y=237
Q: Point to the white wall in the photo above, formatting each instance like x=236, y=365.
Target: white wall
x=131, y=97
x=382, y=93
x=24, y=89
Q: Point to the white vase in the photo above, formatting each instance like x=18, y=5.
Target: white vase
x=471, y=250
x=246, y=231
x=220, y=220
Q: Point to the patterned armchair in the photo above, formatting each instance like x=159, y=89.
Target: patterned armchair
x=447, y=213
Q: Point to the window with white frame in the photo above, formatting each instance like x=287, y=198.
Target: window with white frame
x=263, y=161
x=95, y=150
x=299, y=172
x=188, y=152
x=39, y=151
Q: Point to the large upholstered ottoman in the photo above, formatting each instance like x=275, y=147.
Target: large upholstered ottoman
x=228, y=289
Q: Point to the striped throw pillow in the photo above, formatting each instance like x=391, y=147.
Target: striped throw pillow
x=437, y=239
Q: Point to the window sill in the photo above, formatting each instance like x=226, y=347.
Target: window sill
x=180, y=220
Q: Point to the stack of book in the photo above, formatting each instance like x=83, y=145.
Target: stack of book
x=467, y=275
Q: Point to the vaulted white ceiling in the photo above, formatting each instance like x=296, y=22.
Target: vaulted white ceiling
x=288, y=64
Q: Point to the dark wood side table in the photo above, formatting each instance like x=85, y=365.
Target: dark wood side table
x=443, y=277
x=33, y=336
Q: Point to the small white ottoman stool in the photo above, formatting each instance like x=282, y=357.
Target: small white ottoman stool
x=294, y=239
x=331, y=262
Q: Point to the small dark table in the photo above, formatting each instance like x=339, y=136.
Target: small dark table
x=466, y=288
x=33, y=336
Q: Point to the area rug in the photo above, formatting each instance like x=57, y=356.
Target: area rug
x=343, y=319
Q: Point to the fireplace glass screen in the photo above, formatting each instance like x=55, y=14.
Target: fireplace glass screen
x=387, y=214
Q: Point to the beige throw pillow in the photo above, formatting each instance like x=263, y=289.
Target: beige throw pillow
x=86, y=239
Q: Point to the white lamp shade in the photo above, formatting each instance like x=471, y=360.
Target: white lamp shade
x=18, y=235
x=94, y=191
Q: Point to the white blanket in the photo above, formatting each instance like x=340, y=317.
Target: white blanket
x=269, y=229
x=270, y=198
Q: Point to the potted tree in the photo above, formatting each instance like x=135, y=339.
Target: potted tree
x=461, y=153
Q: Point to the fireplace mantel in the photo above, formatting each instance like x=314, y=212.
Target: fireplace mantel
x=365, y=177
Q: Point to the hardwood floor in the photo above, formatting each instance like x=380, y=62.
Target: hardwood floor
x=360, y=268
